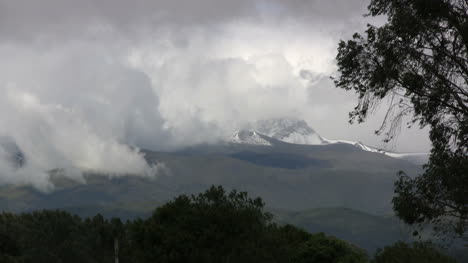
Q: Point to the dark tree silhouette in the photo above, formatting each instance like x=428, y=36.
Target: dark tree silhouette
x=418, y=61
x=411, y=253
x=216, y=226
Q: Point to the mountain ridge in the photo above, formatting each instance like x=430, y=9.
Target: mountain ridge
x=297, y=131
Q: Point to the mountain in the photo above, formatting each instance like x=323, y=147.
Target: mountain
x=289, y=130
x=249, y=137
x=297, y=181
x=416, y=158
x=287, y=176
x=299, y=132
x=365, y=230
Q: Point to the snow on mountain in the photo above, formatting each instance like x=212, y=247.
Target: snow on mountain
x=249, y=137
x=417, y=158
x=289, y=130
x=357, y=144
x=299, y=132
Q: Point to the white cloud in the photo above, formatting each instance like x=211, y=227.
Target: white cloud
x=83, y=80
x=71, y=110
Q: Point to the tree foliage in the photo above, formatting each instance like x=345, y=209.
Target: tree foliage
x=320, y=248
x=209, y=227
x=418, y=252
x=417, y=61
x=214, y=226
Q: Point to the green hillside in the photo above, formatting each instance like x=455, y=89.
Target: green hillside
x=295, y=181
x=365, y=230
x=287, y=176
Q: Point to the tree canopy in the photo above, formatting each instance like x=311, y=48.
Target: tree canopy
x=418, y=252
x=417, y=64
x=214, y=226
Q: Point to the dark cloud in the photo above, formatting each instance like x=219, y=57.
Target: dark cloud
x=26, y=20
x=334, y=11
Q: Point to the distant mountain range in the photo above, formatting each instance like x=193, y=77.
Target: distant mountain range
x=299, y=132
x=286, y=175
x=344, y=188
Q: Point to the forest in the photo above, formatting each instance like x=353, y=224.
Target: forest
x=214, y=226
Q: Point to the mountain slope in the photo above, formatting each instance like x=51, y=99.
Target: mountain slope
x=287, y=176
x=365, y=230
x=249, y=137
x=289, y=130
x=296, y=131
x=292, y=179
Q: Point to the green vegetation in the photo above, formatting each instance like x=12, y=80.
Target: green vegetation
x=416, y=253
x=319, y=248
x=418, y=61
x=365, y=230
x=214, y=226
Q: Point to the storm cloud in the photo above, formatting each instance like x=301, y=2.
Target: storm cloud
x=85, y=84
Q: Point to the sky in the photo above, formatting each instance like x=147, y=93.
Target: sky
x=85, y=82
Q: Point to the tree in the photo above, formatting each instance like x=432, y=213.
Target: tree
x=51, y=236
x=417, y=61
x=10, y=251
x=415, y=253
x=99, y=239
x=214, y=226
x=105, y=239
x=320, y=248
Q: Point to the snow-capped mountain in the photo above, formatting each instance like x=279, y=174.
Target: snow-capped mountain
x=289, y=130
x=299, y=132
x=417, y=158
x=249, y=137
x=357, y=144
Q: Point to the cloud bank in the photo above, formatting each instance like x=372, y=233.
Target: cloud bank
x=86, y=83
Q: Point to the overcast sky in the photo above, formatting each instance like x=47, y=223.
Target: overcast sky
x=81, y=80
